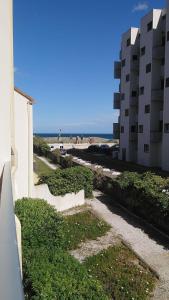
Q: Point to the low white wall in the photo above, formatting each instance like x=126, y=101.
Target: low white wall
x=61, y=203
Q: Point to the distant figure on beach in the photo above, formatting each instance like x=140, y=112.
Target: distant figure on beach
x=90, y=140
x=81, y=138
x=77, y=140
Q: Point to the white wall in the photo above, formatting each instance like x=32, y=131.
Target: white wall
x=60, y=203
x=6, y=79
x=23, y=145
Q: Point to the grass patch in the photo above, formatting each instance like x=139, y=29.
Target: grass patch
x=40, y=168
x=120, y=273
x=81, y=227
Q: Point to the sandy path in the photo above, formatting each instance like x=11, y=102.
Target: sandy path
x=52, y=166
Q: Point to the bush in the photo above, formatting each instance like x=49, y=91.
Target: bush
x=70, y=180
x=41, y=225
x=40, y=147
x=54, y=156
x=66, y=162
x=48, y=271
x=140, y=193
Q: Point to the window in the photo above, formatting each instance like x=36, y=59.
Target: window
x=146, y=148
x=164, y=17
x=163, y=38
x=148, y=68
x=127, y=77
x=123, y=62
x=126, y=112
x=162, y=84
x=142, y=90
x=166, y=127
x=140, y=128
x=149, y=26
x=163, y=61
x=133, y=128
x=167, y=82
x=122, y=129
x=143, y=51
x=134, y=93
x=122, y=96
x=128, y=42
x=147, y=109
x=167, y=36
x=135, y=57
x=160, y=126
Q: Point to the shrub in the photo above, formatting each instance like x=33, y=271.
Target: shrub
x=41, y=225
x=70, y=180
x=54, y=156
x=40, y=147
x=48, y=271
x=66, y=162
x=140, y=193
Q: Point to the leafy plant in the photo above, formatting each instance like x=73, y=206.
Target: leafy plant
x=70, y=180
x=48, y=271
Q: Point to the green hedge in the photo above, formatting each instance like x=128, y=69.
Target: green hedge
x=48, y=271
x=63, y=161
x=140, y=193
x=70, y=180
x=40, y=147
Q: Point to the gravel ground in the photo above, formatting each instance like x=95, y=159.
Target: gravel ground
x=143, y=243
x=93, y=247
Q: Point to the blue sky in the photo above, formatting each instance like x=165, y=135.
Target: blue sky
x=64, y=52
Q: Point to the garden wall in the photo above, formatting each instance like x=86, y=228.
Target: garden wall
x=60, y=203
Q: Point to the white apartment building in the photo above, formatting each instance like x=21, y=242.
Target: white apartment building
x=143, y=97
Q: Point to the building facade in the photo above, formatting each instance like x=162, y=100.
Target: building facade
x=23, y=137
x=143, y=97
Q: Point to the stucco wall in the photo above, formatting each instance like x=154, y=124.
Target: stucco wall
x=23, y=112
x=61, y=203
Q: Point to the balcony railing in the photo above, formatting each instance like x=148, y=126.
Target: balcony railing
x=157, y=95
x=116, y=102
x=155, y=136
x=158, y=52
x=117, y=69
x=133, y=136
x=116, y=131
x=134, y=101
x=10, y=273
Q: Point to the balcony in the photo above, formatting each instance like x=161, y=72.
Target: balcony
x=135, y=67
x=155, y=136
x=10, y=274
x=158, y=52
x=157, y=95
x=133, y=137
x=117, y=69
x=134, y=101
x=116, y=102
x=116, y=131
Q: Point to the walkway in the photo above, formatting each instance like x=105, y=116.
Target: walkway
x=143, y=241
x=52, y=166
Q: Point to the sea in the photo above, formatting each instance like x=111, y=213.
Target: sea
x=107, y=136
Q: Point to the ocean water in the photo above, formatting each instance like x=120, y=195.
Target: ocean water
x=107, y=136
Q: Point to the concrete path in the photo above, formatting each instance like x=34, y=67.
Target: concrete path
x=144, y=242
x=52, y=166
